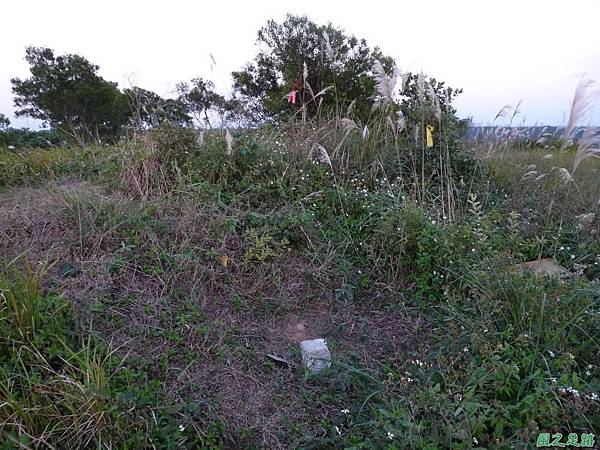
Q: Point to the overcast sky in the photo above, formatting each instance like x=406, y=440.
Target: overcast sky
x=499, y=52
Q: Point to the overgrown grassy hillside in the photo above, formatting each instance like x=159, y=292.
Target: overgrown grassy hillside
x=153, y=293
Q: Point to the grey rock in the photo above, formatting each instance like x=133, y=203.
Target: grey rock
x=544, y=267
x=315, y=355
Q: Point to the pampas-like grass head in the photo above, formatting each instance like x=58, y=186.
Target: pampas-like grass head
x=327, y=45
x=321, y=155
x=401, y=122
x=436, y=102
x=587, y=147
x=421, y=86
x=581, y=106
x=384, y=85
x=229, y=142
x=564, y=175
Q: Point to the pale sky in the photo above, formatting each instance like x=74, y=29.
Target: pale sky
x=498, y=51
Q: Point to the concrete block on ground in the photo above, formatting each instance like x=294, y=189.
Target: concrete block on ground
x=315, y=355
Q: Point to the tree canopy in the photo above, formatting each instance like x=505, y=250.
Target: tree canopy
x=67, y=93
x=151, y=110
x=199, y=97
x=4, y=122
x=300, y=55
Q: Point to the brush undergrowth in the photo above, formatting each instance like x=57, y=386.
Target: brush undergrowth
x=432, y=232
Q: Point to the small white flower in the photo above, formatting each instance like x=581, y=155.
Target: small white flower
x=181, y=428
x=465, y=349
x=573, y=391
x=338, y=430
x=390, y=435
x=345, y=411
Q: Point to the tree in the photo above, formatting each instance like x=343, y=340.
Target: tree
x=303, y=56
x=200, y=98
x=151, y=110
x=4, y=122
x=67, y=93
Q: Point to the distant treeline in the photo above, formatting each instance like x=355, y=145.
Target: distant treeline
x=534, y=135
x=19, y=138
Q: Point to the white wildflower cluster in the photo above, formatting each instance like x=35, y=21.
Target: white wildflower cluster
x=570, y=390
x=592, y=397
x=419, y=363
x=407, y=378
x=588, y=370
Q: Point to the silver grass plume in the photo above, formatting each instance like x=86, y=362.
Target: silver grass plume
x=349, y=124
x=502, y=113
x=436, y=102
x=229, y=141
x=401, y=122
x=581, y=106
x=587, y=147
x=320, y=154
x=384, y=85
x=421, y=86
x=328, y=49
x=365, y=133
x=564, y=175
x=351, y=107
x=305, y=72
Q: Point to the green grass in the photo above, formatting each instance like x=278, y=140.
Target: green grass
x=143, y=335
x=40, y=165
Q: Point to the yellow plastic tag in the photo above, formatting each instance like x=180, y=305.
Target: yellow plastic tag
x=224, y=260
x=429, y=136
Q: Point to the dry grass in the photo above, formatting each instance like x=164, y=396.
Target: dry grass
x=206, y=328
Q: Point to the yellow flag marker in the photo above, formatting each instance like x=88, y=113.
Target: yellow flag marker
x=224, y=260
x=429, y=136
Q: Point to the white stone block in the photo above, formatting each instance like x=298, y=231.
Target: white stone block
x=315, y=355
